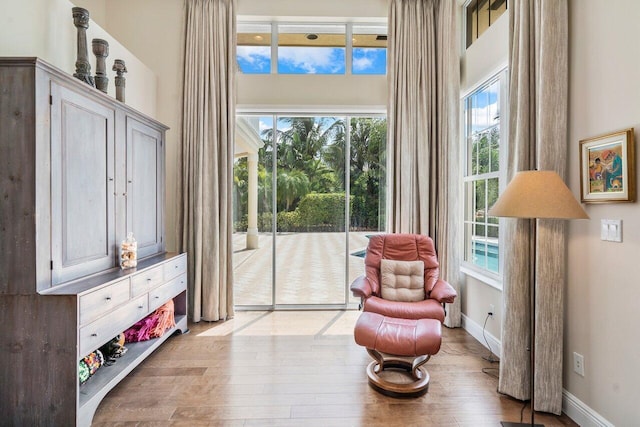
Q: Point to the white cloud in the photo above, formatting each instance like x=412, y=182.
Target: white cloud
x=485, y=116
x=263, y=125
x=309, y=59
x=367, y=50
x=254, y=54
x=363, y=63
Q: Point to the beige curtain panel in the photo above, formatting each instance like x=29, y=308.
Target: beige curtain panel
x=207, y=156
x=538, y=86
x=423, y=110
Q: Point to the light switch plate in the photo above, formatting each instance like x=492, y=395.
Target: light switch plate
x=611, y=230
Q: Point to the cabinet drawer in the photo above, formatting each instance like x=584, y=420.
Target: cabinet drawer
x=97, y=303
x=143, y=282
x=102, y=330
x=164, y=293
x=175, y=267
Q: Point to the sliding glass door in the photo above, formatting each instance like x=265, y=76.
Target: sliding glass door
x=296, y=180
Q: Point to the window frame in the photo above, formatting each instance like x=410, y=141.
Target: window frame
x=348, y=26
x=485, y=275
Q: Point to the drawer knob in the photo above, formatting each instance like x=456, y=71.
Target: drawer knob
x=149, y=279
x=176, y=266
x=108, y=298
x=157, y=297
x=140, y=306
x=94, y=334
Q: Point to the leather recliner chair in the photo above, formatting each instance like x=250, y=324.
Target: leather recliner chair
x=403, y=247
x=403, y=300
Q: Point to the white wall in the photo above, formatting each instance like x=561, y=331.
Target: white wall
x=603, y=294
x=44, y=28
x=302, y=92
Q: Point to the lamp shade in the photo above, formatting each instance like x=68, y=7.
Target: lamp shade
x=537, y=194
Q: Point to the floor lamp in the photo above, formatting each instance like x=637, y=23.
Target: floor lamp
x=535, y=195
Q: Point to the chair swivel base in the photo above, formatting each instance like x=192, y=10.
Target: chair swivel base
x=510, y=424
x=410, y=379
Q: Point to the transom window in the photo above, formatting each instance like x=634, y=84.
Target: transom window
x=480, y=15
x=264, y=48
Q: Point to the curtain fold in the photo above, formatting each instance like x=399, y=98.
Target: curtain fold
x=538, y=102
x=206, y=156
x=423, y=146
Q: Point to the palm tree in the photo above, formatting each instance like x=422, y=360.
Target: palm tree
x=292, y=185
x=315, y=148
x=303, y=146
x=367, y=160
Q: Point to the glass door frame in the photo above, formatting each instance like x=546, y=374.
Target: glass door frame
x=275, y=116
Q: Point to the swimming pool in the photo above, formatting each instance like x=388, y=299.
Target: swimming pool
x=360, y=253
x=485, y=255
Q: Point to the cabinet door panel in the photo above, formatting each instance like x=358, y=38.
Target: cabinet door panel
x=82, y=186
x=144, y=186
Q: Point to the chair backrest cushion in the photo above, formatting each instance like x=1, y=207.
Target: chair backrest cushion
x=401, y=247
x=402, y=280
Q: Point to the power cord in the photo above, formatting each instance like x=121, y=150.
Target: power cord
x=489, y=358
x=524, y=405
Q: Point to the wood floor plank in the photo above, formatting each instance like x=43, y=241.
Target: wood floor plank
x=260, y=369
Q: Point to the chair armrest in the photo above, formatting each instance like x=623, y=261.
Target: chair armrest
x=443, y=292
x=361, y=287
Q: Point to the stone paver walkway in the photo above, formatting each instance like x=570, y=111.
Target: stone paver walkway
x=310, y=268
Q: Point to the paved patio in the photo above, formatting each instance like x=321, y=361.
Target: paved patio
x=310, y=268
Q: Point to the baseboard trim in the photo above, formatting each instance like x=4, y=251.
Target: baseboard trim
x=579, y=412
x=475, y=330
x=573, y=407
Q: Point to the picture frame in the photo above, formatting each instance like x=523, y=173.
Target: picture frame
x=607, y=168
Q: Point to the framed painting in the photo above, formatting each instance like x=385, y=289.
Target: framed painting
x=607, y=168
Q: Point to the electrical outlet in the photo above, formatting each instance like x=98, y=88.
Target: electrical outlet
x=491, y=310
x=578, y=364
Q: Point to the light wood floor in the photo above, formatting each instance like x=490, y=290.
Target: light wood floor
x=301, y=369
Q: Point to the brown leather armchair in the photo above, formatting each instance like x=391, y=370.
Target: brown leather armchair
x=403, y=247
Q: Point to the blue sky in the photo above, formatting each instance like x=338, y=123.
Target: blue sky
x=485, y=107
x=311, y=60
x=254, y=59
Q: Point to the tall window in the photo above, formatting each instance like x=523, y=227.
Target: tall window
x=482, y=171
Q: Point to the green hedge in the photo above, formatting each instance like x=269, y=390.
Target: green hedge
x=315, y=212
x=322, y=212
